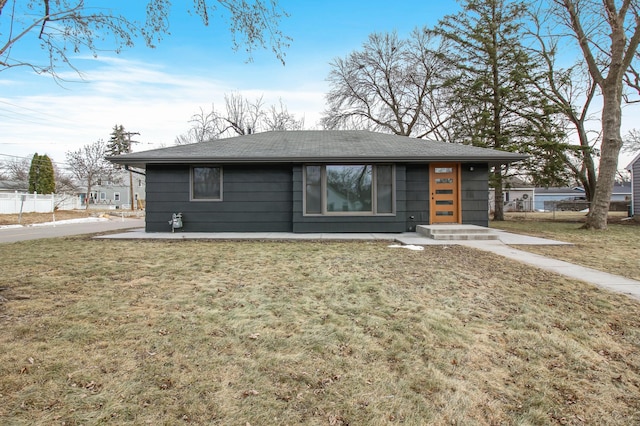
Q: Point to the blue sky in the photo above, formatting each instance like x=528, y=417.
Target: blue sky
x=156, y=91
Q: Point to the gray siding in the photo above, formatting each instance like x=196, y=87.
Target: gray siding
x=417, y=196
x=475, y=194
x=255, y=199
x=269, y=199
x=635, y=187
x=310, y=224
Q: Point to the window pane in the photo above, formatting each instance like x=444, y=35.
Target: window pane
x=444, y=170
x=348, y=188
x=206, y=183
x=384, y=188
x=313, y=189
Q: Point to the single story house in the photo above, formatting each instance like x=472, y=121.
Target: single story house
x=517, y=195
x=316, y=181
x=634, y=168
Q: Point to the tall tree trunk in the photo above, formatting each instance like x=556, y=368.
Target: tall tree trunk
x=588, y=177
x=498, y=207
x=611, y=145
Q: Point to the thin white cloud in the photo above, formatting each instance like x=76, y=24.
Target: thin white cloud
x=149, y=99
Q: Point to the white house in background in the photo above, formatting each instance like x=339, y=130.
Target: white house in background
x=518, y=196
x=634, y=168
x=116, y=193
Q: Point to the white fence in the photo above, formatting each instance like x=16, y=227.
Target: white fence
x=14, y=203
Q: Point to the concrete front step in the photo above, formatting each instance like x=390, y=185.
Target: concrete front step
x=456, y=232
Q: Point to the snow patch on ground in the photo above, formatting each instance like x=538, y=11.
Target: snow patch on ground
x=60, y=222
x=408, y=246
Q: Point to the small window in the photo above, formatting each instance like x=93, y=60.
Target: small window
x=116, y=196
x=103, y=196
x=444, y=170
x=206, y=183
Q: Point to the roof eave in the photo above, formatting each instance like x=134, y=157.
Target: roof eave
x=137, y=162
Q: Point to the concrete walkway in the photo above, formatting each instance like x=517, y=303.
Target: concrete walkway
x=502, y=247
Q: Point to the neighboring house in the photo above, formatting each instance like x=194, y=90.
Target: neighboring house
x=316, y=181
x=544, y=196
x=634, y=168
x=518, y=196
x=10, y=186
x=116, y=193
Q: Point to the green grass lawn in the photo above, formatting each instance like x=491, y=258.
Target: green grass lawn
x=324, y=333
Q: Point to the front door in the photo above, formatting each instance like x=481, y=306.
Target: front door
x=444, y=184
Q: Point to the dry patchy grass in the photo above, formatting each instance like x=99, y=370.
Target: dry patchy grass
x=616, y=250
x=31, y=218
x=99, y=331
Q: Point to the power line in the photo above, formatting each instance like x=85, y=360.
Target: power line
x=61, y=165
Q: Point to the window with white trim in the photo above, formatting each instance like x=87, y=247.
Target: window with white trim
x=206, y=183
x=352, y=189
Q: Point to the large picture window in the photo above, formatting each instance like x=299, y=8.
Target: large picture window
x=206, y=183
x=349, y=189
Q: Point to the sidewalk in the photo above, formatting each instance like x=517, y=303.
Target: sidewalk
x=500, y=247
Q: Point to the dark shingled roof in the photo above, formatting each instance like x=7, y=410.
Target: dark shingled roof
x=316, y=146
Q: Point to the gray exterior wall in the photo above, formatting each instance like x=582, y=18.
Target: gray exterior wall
x=268, y=198
x=255, y=199
x=635, y=187
x=475, y=194
x=417, y=196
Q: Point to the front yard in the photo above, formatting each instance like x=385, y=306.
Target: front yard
x=327, y=333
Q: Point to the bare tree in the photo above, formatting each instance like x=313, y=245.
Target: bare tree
x=632, y=142
x=572, y=91
x=88, y=164
x=64, y=181
x=608, y=35
x=239, y=117
x=65, y=26
x=390, y=85
x=17, y=170
x=279, y=118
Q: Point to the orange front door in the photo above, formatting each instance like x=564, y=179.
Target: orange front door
x=444, y=184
